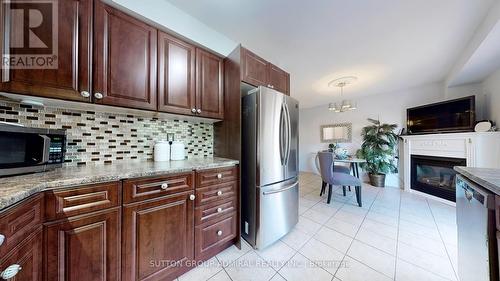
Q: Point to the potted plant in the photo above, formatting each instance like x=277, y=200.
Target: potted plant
x=379, y=151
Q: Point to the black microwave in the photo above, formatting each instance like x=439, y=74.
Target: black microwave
x=29, y=150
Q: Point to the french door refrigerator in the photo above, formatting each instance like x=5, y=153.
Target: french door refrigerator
x=269, y=166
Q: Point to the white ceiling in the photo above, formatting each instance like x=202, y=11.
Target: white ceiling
x=388, y=44
x=484, y=61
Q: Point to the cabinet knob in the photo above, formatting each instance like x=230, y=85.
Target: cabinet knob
x=98, y=96
x=219, y=233
x=164, y=186
x=192, y=197
x=219, y=210
x=193, y=110
x=219, y=193
x=219, y=176
x=85, y=94
x=2, y=238
x=198, y=111
x=10, y=271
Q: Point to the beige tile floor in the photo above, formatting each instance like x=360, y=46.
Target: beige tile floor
x=394, y=236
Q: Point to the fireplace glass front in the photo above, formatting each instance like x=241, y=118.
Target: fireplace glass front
x=435, y=175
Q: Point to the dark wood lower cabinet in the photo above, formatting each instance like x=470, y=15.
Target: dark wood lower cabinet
x=158, y=237
x=86, y=233
x=28, y=255
x=84, y=248
x=212, y=237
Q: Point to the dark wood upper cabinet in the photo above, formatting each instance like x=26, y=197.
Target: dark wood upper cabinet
x=84, y=248
x=154, y=231
x=209, y=85
x=258, y=72
x=279, y=79
x=71, y=79
x=176, y=75
x=254, y=69
x=124, y=59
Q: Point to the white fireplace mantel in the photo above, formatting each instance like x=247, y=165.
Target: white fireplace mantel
x=480, y=150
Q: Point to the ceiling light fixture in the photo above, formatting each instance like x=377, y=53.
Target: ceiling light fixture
x=344, y=105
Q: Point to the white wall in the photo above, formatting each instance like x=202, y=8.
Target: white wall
x=388, y=107
x=487, y=95
x=178, y=21
x=491, y=88
x=473, y=89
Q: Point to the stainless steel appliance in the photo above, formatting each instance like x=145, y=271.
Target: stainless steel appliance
x=477, y=258
x=27, y=150
x=269, y=166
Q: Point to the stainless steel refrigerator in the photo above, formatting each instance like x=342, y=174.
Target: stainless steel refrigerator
x=269, y=166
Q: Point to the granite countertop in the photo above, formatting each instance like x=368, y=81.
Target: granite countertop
x=14, y=189
x=487, y=178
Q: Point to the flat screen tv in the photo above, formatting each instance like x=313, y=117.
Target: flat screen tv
x=443, y=117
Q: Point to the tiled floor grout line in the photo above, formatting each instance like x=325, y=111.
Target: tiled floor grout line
x=354, y=238
x=379, y=196
x=312, y=236
x=442, y=240
x=430, y=253
x=397, y=239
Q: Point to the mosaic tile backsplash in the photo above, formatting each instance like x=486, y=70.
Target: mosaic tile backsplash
x=103, y=138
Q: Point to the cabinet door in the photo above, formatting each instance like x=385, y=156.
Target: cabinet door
x=84, y=247
x=254, y=69
x=72, y=75
x=209, y=87
x=125, y=60
x=27, y=255
x=279, y=79
x=176, y=75
x=156, y=234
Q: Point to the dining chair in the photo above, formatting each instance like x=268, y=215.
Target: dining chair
x=338, y=169
x=331, y=177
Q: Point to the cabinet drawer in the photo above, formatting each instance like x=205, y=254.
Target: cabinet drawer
x=28, y=255
x=80, y=200
x=497, y=211
x=19, y=221
x=215, y=193
x=215, y=176
x=147, y=188
x=214, y=210
x=210, y=237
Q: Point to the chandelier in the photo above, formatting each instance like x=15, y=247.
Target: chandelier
x=344, y=105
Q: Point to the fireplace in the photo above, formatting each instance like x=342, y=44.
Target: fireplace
x=435, y=175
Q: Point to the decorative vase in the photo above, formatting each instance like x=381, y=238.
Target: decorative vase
x=377, y=180
x=341, y=153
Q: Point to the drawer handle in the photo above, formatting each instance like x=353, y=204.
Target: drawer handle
x=219, y=210
x=10, y=271
x=98, y=96
x=85, y=94
x=164, y=186
x=2, y=239
x=192, y=197
x=219, y=193
x=219, y=233
x=219, y=176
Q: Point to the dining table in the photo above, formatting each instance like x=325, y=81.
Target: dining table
x=352, y=161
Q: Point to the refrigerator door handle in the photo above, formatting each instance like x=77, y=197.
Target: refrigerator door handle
x=288, y=134
x=281, y=190
x=282, y=135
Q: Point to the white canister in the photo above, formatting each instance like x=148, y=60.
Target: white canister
x=162, y=151
x=177, y=151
